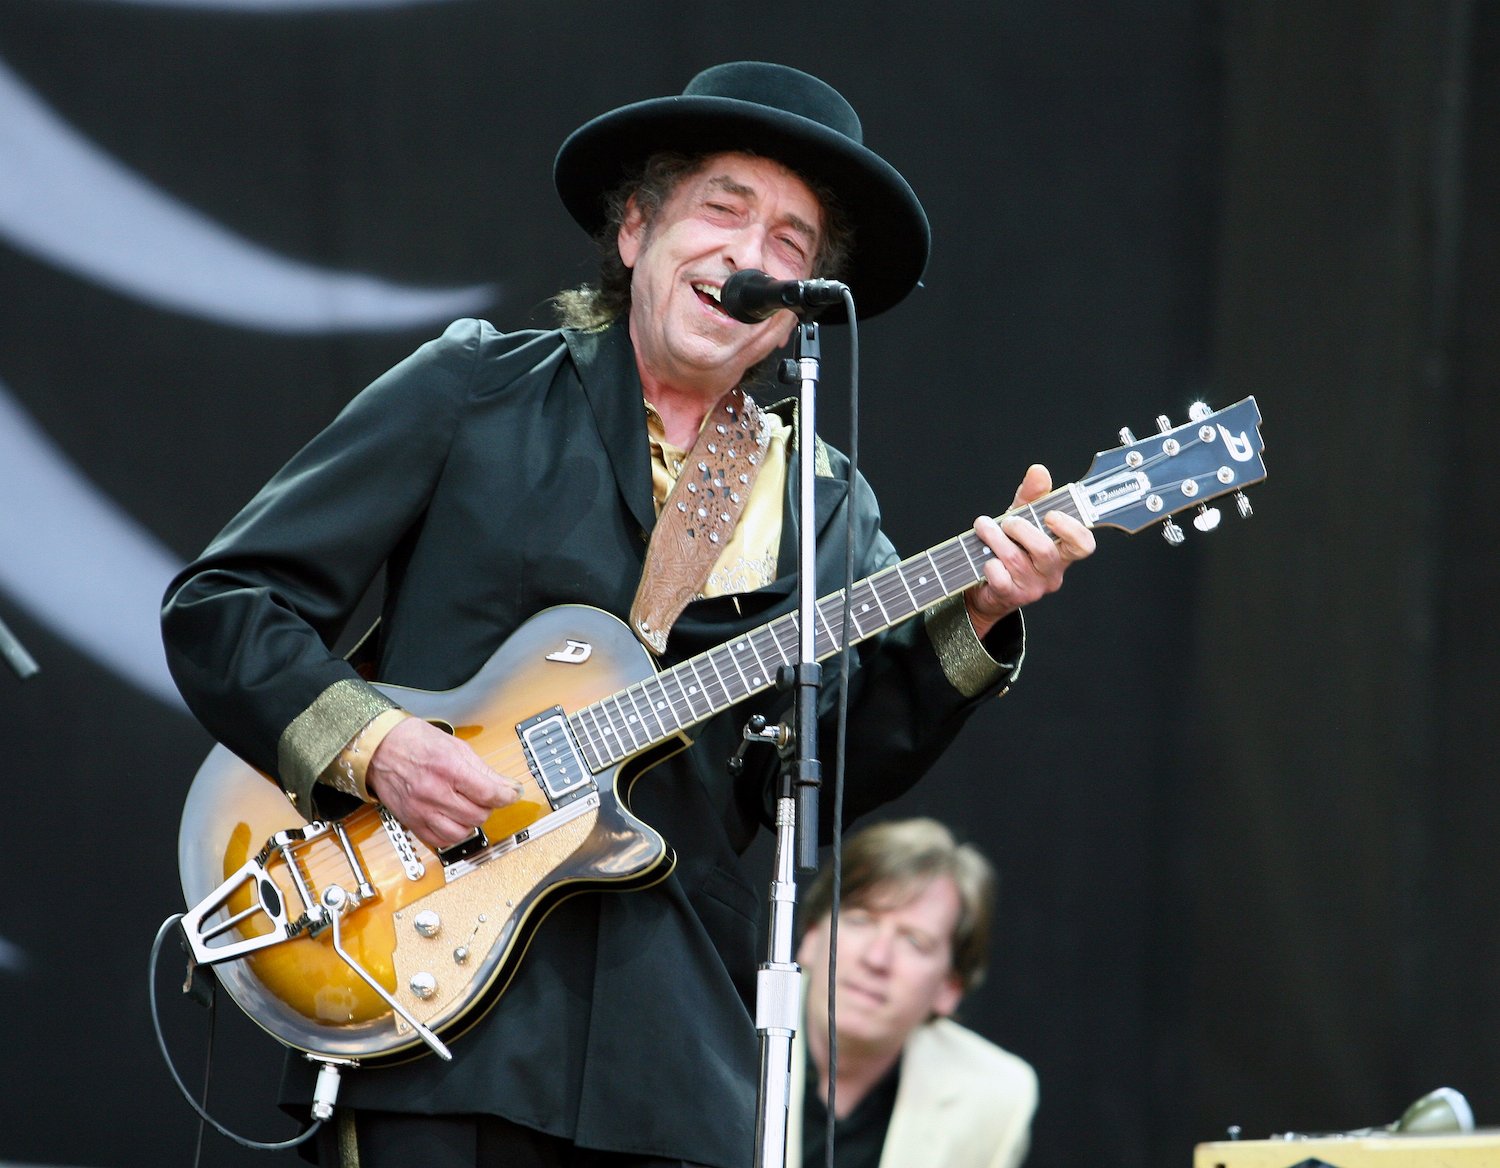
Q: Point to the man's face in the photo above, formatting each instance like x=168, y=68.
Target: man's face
x=734, y=212
x=895, y=966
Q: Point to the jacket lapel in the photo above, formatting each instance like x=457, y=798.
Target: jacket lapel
x=919, y=1134
x=828, y=492
x=612, y=385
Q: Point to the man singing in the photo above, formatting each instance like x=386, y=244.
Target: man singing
x=492, y=475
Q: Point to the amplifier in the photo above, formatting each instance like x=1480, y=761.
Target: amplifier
x=1480, y=1149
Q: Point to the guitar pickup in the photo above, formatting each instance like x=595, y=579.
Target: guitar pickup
x=553, y=757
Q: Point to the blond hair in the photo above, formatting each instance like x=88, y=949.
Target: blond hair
x=892, y=862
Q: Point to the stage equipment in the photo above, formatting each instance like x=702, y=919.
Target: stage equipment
x=751, y=295
x=1437, y=1131
x=1474, y=1150
x=778, y=984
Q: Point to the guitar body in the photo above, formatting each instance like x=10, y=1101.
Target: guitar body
x=453, y=925
x=351, y=939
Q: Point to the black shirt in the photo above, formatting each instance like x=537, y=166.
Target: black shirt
x=857, y=1138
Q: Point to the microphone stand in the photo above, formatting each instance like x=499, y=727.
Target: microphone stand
x=15, y=654
x=778, y=984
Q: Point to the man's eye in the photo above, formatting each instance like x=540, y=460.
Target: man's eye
x=921, y=944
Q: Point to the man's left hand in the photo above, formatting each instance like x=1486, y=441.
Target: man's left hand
x=1027, y=563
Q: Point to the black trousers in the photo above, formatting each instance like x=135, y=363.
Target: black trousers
x=383, y=1139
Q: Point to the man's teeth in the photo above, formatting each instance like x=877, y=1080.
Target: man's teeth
x=708, y=290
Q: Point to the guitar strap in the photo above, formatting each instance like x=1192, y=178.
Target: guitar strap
x=699, y=515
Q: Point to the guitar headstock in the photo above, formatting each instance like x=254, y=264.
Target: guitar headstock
x=1216, y=453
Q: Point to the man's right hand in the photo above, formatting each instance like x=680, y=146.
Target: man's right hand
x=435, y=784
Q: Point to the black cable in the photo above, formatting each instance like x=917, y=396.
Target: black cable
x=161, y=1042
x=842, y=732
x=208, y=1069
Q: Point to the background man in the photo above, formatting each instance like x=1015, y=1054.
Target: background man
x=491, y=476
x=913, y=1088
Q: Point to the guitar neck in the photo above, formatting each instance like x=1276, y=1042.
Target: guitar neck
x=652, y=711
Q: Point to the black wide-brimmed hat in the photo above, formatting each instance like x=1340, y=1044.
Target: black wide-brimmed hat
x=780, y=113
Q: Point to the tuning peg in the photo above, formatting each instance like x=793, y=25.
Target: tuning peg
x=1172, y=533
x=1126, y=437
x=1243, y=503
x=1163, y=423
x=1198, y=411
x=1207, y=518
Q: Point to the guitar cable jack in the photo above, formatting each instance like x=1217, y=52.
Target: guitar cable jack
x=326, y=1089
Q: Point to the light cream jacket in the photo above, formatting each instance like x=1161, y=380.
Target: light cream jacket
x=963, y=1102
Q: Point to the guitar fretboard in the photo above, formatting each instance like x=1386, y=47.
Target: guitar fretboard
x=652, y=711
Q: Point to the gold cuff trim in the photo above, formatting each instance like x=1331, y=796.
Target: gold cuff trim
x=315, y=736
x=967, y=665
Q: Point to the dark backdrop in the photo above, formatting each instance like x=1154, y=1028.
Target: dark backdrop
x=1242, y=797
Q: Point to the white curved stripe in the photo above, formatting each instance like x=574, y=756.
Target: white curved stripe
x=13, y=958
x=64, y=200
x=76, y=562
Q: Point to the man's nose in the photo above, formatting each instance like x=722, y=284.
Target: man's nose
x=746, y=249
x=877, y=949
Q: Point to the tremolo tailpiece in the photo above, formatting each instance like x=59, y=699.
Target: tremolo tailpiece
x=209, y=943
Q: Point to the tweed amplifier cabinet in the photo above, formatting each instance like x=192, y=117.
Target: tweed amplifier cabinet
x=1479, y=1149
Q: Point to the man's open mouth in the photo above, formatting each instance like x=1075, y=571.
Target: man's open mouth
x=709, y=294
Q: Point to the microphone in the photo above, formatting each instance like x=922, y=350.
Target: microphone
x=751, y=295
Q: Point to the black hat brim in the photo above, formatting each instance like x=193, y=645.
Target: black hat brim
x=891, y=234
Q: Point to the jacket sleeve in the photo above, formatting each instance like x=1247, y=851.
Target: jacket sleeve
x=248, y=625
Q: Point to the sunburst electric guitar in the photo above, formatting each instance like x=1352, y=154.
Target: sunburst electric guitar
x=351, y=939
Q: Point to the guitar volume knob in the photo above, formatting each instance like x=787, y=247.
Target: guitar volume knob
x=423, y=984
x=428, y=923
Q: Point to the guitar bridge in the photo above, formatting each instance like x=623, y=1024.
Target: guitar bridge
x=207, y=924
